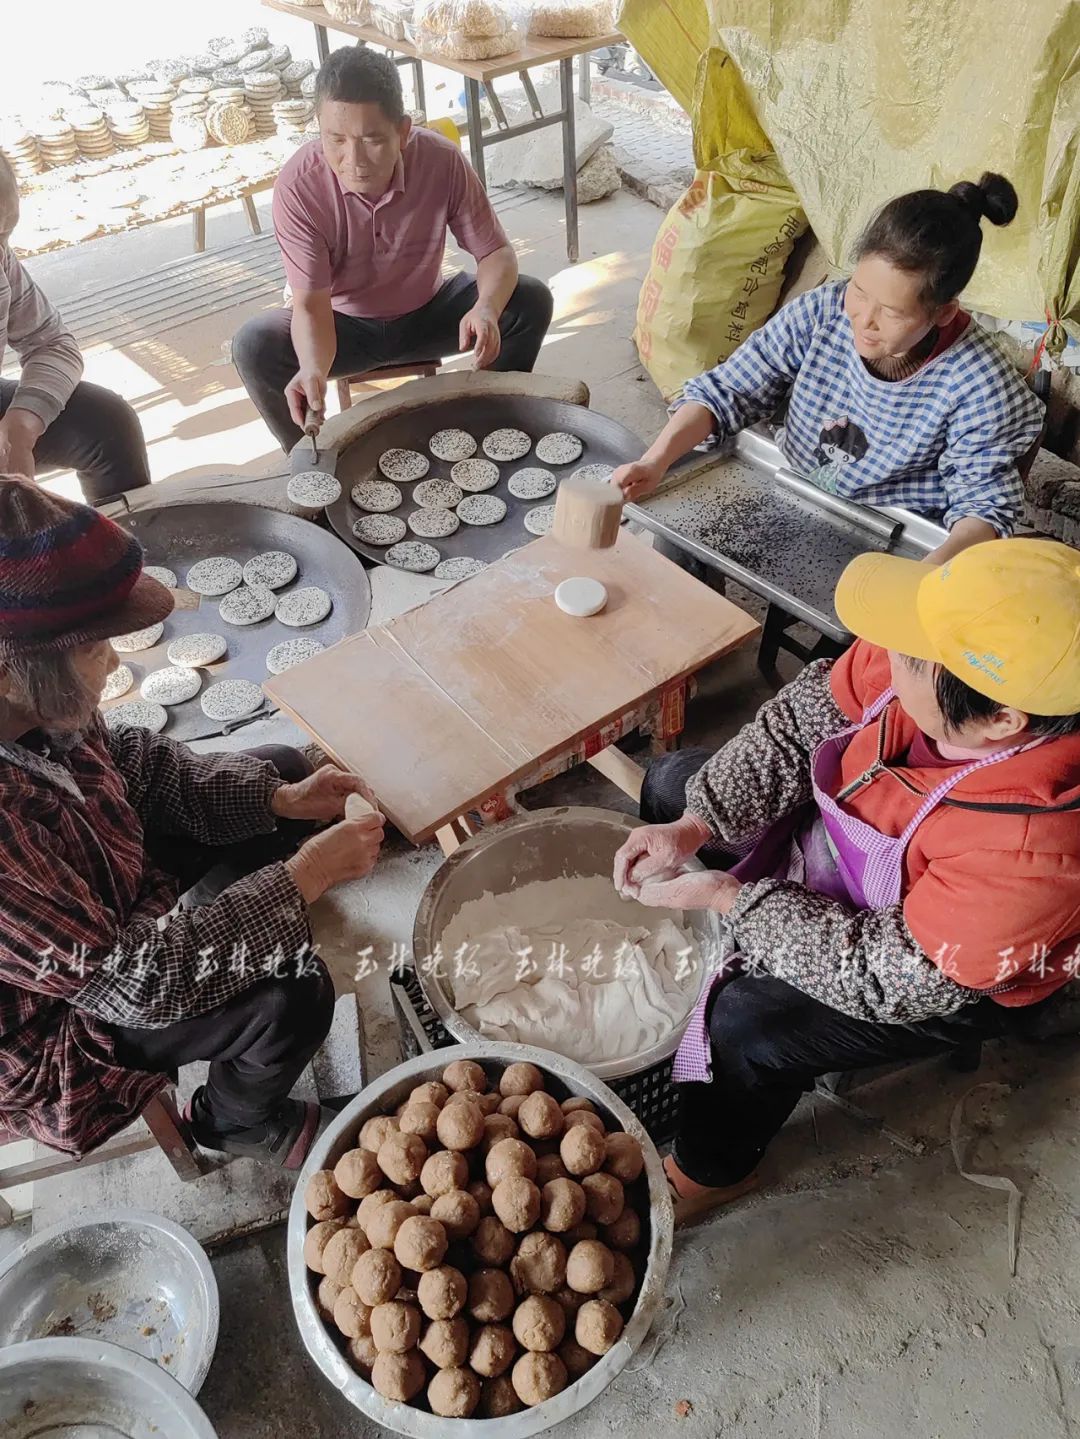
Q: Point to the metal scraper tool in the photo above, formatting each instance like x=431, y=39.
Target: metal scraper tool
x=311, y=429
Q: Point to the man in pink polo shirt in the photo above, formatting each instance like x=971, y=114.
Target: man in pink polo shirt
x=361, y=217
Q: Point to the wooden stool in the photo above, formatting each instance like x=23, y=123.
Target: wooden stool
x=167, y=1130
x=416, y=370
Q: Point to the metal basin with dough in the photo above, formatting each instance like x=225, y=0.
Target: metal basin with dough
x=543, y=845
x=382, y=1097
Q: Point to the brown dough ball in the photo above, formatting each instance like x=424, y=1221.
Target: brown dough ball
x=430, y=1093
x=420, y=1243
x=509, y=1156
x=511, y=1104
x=351, y=1315
x=316, y=1240
x=582, y=1150
x=539, y=1266
x=496, y=1127
x=562, y=1205
x=362, y=1353
x=401, y=1157
x=454, y=1393
x=489, y=1104
x=549, y=1167
x=584, y=1117
x=625, y=1233
x=465, y=1074
x=481, y=1192
x=570, y=1301
x=460, y=1126
x=422, y=1203
x=605, y=1198
x=578, y=1361
x=376, y=1277
x=466, y=1096
x=493, y=1350
x=344, y=1249
x=491, y=1296
x=357, y=1173
x=376, y=1131
x=576, y=1102
x=458, y=1212
x=444, y=1172
x=498, y=1398
x=590, y=1267
x=395, y=1327
x=442, y=1292
x=537, y=1377
x=384, y=1223
x=585, y=1230
x=516, y=1200
x=324, y=1199
x=446, y=1342
x=521, y=1078
x=623, y=1283
x=598, y=1326
x=398, y=1376
x=539, y=1323
x=420, y=1119
x=540, y=1116
x=326, y=1297
x=493, y=1243
x=369, y=1205
x=624, y=1157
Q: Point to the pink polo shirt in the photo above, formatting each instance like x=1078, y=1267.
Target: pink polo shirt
x=381, y=258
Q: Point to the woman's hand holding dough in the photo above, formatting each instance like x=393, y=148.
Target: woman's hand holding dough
x=657, y=850
x=321, y=796
x=702, y=889
x=347, y=850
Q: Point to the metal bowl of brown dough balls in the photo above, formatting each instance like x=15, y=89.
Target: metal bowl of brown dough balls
x=562, y=1079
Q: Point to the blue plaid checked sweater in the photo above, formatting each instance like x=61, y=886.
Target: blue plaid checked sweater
x=944, y=442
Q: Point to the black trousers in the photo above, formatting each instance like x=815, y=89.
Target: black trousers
x=770, y=1042
x=260, y=1042
x=266, y=361
x=97, y=434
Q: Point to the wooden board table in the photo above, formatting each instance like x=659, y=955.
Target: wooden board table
x=489, y=686
x=483, y=73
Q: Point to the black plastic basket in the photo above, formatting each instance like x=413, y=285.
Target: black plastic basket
x=650, y=1094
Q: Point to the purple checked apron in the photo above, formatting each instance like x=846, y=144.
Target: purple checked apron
x=858, y=865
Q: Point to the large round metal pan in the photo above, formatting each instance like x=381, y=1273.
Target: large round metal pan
x=605, y=442
x=177, y=535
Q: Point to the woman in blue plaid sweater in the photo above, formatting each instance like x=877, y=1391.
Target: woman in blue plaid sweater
x=895, y=396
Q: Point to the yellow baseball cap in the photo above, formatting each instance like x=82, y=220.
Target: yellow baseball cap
x=1003, y=616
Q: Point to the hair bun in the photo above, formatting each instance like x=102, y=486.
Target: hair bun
x=993, y=197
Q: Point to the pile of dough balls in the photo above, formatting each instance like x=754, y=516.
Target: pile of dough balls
x=481, y=1248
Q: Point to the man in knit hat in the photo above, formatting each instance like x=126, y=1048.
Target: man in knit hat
x=50, y=416
x=105, y=984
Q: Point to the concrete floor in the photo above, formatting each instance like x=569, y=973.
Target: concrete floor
x=865, y=1290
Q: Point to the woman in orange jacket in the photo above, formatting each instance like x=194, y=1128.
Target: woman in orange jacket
x=895, y=842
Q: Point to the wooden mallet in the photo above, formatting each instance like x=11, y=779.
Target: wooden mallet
x=587, y=514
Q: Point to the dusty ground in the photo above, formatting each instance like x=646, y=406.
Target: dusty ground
x=865, y=1291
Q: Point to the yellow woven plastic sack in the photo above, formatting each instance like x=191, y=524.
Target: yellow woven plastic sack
x=718, y=259
x=716, y=270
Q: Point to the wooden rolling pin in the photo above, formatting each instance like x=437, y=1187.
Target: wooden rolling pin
x=587, y=514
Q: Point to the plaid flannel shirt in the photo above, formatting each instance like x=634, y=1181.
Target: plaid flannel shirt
x=944, y=442
x=90, y=933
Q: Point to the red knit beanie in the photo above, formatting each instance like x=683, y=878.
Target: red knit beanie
x=68, y=575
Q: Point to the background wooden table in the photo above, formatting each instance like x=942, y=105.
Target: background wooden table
x=481, y=686
x=483, y=73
